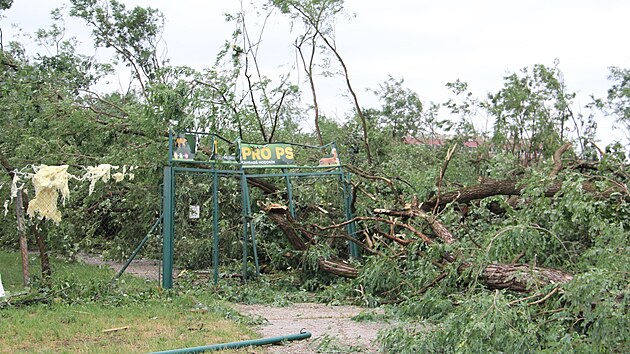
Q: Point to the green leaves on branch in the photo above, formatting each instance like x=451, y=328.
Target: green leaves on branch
x=618, y=99
x=532, y=112
x=133, y=34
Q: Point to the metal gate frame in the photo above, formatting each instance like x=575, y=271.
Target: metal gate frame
x=215, y=168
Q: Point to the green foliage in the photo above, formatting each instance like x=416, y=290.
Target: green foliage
x=493, y=323
x=401, y=110
x=329, y=345
x=319, y=13
x=617, y=102
x=532, y=112
x=467, y=107
x=481, y=321
x=380, y=275
x=133, y=34
x=574, y=229
x=277, y=289
x=598, y=302
x=5, y=4
x=42, y=107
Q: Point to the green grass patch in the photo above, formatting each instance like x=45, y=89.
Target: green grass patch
x=73, y=282
x=11, y=271
x=80, y=305
x=84, y=328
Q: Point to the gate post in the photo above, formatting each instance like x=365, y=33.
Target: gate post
x=351, y=227
x=245, y=216
x=168, y=228
x=215, y=224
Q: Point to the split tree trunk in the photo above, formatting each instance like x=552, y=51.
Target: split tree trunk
x=297, y=236
x=280, y=216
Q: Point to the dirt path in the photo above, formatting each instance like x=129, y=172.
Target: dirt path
x=332, y=327
x=143, y=268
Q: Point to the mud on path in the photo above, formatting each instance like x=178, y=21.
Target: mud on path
x=332, y=327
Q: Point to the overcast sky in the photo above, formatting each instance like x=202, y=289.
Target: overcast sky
x=428, y=43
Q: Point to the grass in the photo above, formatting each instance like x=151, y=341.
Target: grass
x=83, y=328
x=81, y=306
x=11, y=271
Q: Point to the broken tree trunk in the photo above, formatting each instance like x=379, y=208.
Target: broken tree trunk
x=510, y=187
x=338, y=267
x=505, y=187
x=522, y=278
x=467, y=194
x=279, y=214
x=515, y=277
x=490, y=188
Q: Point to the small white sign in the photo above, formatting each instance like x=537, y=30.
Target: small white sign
x=193, y=212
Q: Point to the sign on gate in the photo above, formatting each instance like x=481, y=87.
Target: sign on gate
x=269, y=155
x=189, y=147
x=185, y=147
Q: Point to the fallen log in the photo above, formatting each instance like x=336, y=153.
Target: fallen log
x=507, y=188
x=339, y=267
x=480, y=191
x=522, y=278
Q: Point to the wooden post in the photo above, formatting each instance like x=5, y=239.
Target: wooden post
x=41, y=244
x=19, y=212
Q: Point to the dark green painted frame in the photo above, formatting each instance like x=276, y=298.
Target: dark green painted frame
x=249, y=231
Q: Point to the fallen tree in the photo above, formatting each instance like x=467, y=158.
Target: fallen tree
x=516, y=277
x=522, y=278
x=514, y=187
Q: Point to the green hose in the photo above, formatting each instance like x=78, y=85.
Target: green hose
x=241, y=344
